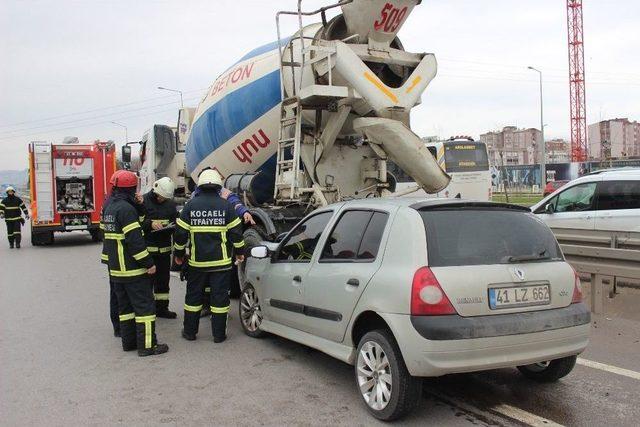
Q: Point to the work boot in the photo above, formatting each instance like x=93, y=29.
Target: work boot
x=219, y=339
x=18, y=245
x=10, y=245
x=116, y=333
x=166, y=314
x=188, y=337
x=157, y=349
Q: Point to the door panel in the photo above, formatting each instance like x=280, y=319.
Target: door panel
x=336, y=281
x=284, y=288
x=618, y=206
x=573, y=208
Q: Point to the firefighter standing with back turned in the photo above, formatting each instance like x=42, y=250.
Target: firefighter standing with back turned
x=216, y=231
x=10, y=208
x=160, y=212
x=130, y=265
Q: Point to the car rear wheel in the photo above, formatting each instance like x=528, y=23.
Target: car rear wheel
x=386, y=387
x=250, y=312
x=549, y=371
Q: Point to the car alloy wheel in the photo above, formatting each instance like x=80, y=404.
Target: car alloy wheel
x=374, y=375
x=250, y=312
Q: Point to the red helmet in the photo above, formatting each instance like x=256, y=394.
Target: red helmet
x=124, y=179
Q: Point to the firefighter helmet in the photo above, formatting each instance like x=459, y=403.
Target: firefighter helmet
x=164, y=187
x=124, y=179
x=10, y=188
x=210, y=177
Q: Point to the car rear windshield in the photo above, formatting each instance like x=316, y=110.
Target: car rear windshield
x=487, y=236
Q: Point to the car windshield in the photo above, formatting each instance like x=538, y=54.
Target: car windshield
x=487, y=236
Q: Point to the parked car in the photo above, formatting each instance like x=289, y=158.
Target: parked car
x=553, y=186
x=404, y=289
x=605, y=200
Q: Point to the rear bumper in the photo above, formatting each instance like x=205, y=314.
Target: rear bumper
x=434, y=357
x=456, y=327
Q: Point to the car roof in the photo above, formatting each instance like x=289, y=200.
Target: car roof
x=615, y=171
x=427, y=204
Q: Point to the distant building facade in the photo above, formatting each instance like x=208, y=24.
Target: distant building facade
x=615, y=138
x=517, y=146
x=558, y=151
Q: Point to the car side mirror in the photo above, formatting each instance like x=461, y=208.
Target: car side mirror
x=260, y=252
x=126, y=154
x=549, y=208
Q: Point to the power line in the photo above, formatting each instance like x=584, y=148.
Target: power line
x=86, y=125
x=96, y=109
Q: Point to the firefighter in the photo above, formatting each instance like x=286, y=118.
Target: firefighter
x=216, y=232
x=11, y=208
x=130, y=265
x=160, y=212
x=241, y=211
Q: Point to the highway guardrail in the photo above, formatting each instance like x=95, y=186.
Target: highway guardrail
x=604, y=255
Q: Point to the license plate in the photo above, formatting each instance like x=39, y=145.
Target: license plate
x=519, y=296
x=75, y=227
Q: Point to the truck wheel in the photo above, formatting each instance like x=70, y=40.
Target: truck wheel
x=252, y=237
x=550, y=371
x=250, y=312
x=384, y=382
x=39, y=238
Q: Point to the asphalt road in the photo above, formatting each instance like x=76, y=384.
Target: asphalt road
x=61, y=365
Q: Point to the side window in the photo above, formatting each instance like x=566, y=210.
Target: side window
x=302, y=241
x=577, y=198
x=371, y=240
x=618, y=195
x=346, y=236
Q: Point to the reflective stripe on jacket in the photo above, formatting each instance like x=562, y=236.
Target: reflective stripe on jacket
x=166, y=213
x=124, y=249
x=213, y=230
x=11, y=207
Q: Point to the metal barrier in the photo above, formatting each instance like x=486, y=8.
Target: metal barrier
x=605, y=255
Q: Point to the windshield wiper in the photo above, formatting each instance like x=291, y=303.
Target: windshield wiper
x=524, y=258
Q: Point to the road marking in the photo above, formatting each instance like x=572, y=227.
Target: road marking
x=609, y=368
x=523, y=416
x=488, y=415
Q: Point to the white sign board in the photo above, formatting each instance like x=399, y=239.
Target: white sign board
x=73, y=166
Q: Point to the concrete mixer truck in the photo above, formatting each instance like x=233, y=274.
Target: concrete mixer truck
x=307, y=120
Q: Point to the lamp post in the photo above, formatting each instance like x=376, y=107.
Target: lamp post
x=173, y=90
x=543, y=163
x=126, y=133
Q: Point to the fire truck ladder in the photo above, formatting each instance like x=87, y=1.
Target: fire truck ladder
x=43, y=178
x=289, y=175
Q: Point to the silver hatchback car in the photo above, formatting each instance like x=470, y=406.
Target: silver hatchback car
x=404, y=289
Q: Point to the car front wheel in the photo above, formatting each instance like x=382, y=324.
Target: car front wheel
x=386, y=387
x=250, y=312
x=549, y=371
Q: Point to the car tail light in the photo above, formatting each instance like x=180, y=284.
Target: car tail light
x=577, y=289
x=427, y=296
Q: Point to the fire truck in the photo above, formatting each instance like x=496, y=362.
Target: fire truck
x=68, y=183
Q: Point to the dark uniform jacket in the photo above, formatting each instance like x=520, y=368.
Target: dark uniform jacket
x=214, y=231
x=124, y=248
x=11, y=206
x=166, y=213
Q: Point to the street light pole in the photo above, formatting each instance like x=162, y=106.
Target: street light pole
x=173, y=90
x=126, y=132
x=543, y=163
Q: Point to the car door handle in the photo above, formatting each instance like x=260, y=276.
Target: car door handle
x=353, y=282
x=297, y=279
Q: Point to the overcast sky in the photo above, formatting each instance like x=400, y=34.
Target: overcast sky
x=69, y=68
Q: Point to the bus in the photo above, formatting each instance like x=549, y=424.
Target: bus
x=464, y=159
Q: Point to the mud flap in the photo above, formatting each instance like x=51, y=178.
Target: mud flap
x=406, y=150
